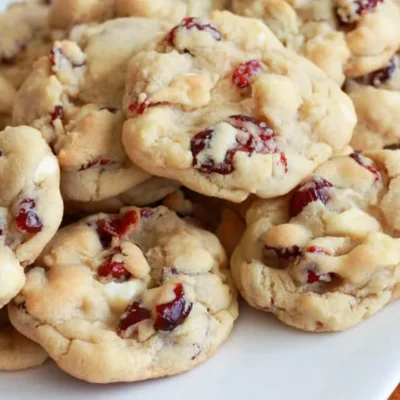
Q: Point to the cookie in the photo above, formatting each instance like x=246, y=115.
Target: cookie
x=17, y=352
x=30, y=204
x=7, y=97
x=173, y=10
x=24, y=37
x=327, y=255
x=147, y=193
x=224, y=108
x=343, y=37
x=230, y=230
x=225, y=219
x=74, y=97
x=128, y=297
x=376, y=98
x=66, y=13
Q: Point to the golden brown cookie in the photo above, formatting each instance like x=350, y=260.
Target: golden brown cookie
x=343, y=37
x=327, y=255
x=224, y=108
x=138, y=295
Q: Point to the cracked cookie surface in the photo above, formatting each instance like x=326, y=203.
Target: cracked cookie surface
x=30, y=204
x=16, y=351
x=345, y=38
x=73, y=96
x=24, y=37
x=376, y=98
x=224, y=108
x=66, y=13
x=326, y=256
x=128, y=297
x=7, y=97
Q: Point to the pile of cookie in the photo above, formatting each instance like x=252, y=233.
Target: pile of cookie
x=159, y=156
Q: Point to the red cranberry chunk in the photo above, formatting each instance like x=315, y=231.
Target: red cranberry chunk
x=131, y=317
x=364, y=6
x=193, y=24
x=283, y=160
x=141, y=108
x=253, y=136
x=146, y=212
x=244, y=72
x=315, y=189
x=382, y=75
x=114, y=269
x=313, y=277
x=316, y=249
x=174, y=313
x=356, y=9
x=27, y=219
x=116, y=227
x=285, y=253
x=363, y=161
x=312, y=272
x=58, y=113
x=99, y=161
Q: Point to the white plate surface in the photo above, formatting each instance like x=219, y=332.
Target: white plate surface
x=263, y=359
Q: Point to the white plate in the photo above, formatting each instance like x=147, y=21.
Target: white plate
x=263, y=359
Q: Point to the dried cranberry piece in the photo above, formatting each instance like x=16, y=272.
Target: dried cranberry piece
x=58, y=113
x=27, y=220
x=361, y=7
x=117, y=227
x=315, y=249
x=364, y=6
x=382, y=75
x=244, y=72
x=313, y=190
x=313, y=277
x=255, y=137
x=57, y=51
x=99, y=161
x=174, y=313
x=283, y=160
x=312, y=274
x=285, y=253
x=146, y=212
x=191, y=23
x=114, y=269
x=131, y=317
x=360, y=159
x=141, y=108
